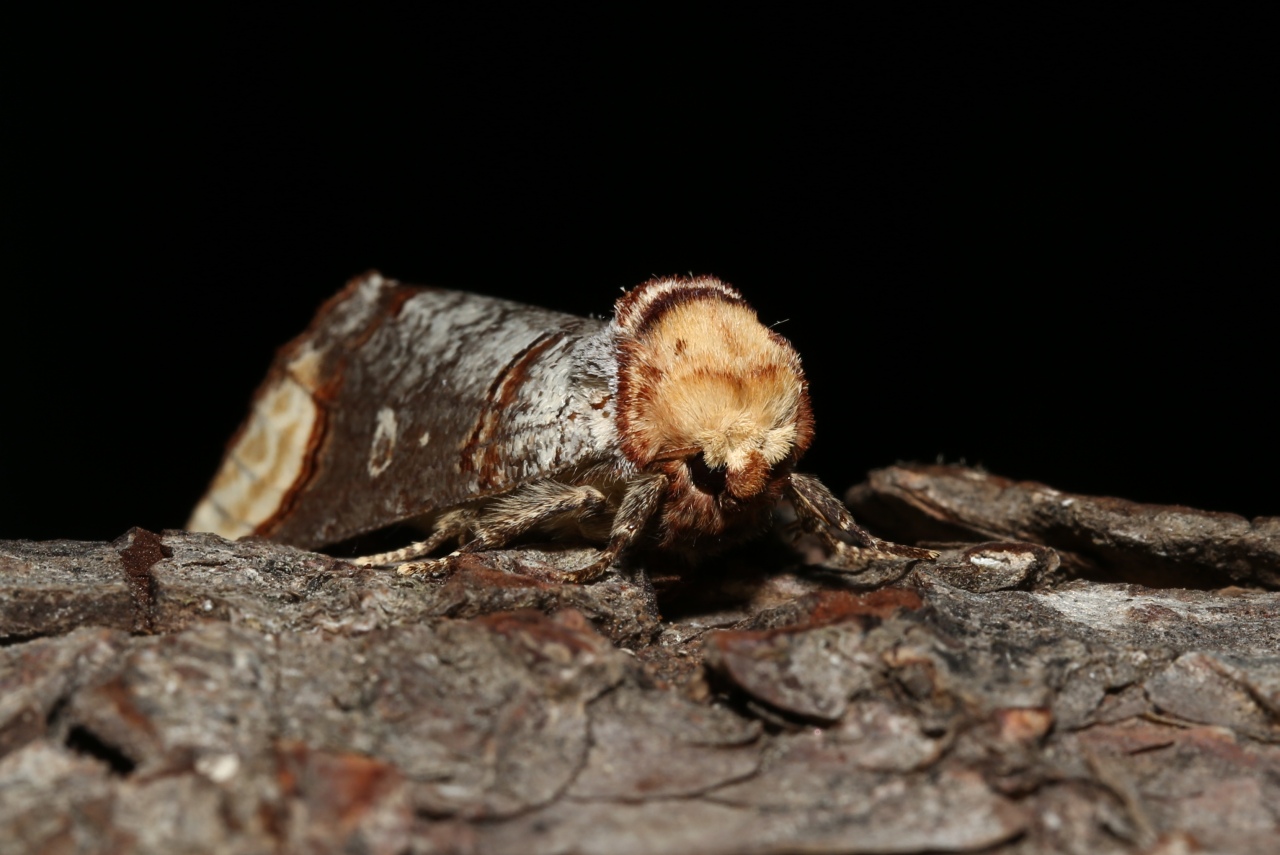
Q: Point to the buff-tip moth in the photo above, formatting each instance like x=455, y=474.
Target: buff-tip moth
x=676, y=424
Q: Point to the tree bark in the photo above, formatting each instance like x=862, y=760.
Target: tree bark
x=1020, y=694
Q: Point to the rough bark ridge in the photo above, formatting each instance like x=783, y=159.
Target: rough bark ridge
x=182, y=693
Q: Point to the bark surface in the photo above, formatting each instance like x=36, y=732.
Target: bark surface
x=1073, y=674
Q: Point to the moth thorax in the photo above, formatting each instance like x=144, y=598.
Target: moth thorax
x=702, y=380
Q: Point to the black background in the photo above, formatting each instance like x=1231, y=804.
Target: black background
x=1039, y=240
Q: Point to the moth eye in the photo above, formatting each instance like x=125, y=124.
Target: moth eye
x=706, y=478
x=781, y=468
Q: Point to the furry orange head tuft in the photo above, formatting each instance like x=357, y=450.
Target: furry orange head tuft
x=707, y=393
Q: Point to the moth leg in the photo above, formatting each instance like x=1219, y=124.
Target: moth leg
x=541, y=504
x=642, y=498
x=819, y=512
x=538, y=505
x=450, y=526
x=426, y=567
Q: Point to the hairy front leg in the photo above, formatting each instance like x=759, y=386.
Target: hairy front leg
x=641, y=501
x=820, y=512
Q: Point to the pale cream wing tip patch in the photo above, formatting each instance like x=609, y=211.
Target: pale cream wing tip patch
x=267, y=459
x=209, y=516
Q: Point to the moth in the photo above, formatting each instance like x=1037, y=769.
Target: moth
x=674, y=425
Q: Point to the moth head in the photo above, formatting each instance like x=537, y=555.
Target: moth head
x=701, y=380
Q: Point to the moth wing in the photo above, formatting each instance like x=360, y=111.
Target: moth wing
x=397, y=402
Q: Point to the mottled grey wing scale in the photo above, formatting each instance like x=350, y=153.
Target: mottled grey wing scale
x=426, y=399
